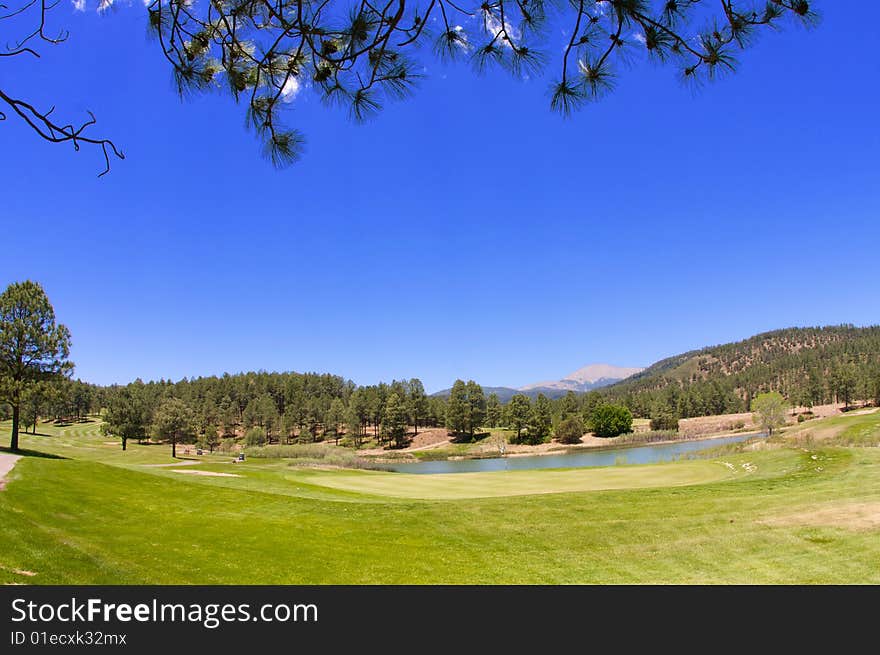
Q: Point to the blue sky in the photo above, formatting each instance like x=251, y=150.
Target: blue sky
x=468, y=232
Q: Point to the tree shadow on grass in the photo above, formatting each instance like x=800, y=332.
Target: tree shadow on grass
x=24, y=452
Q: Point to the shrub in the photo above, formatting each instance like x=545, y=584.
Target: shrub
x=255, y=437
x=226, y=445
x=570, y=430
x=664, y=421
x=529, y=438
x=611, y=420
x=312, y=455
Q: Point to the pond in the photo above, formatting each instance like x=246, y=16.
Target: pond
x=631, y=455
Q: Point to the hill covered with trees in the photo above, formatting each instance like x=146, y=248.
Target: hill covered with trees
x=808, y=366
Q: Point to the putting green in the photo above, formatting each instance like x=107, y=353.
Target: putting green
x=456, y=486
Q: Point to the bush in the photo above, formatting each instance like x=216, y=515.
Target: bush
x=611, y=420
x=255, y=437
x=226, y=445
x=314, y=455
x=570, y=430
x=528, y=438
x=664, y=421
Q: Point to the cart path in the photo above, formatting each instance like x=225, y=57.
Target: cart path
x=6, y=464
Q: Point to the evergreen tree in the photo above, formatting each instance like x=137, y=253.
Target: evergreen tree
x=210, y=436
x=228, y=415
x=418, y=402
x=127, y=415
x=493, y=411
x=394, y=419
x=173, y=420
x=519, y=411
x=458, y=409
x=844, y=383
x=541, y=420
x=476, y=407
x=335, y=417
x=568, y=406
x=33, y=347
x=591, y=401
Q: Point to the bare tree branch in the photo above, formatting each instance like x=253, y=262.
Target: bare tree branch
x=33, y=13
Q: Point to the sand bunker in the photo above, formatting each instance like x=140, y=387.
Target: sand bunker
x=212, y=474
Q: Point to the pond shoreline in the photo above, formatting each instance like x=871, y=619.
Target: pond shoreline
x=651, y=453
x=553, y=449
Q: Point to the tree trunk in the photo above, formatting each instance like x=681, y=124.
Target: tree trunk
x=124, y=443
x=174, y=446
x=13, y=442
x=416, y=425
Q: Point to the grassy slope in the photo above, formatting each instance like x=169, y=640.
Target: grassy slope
x=518, y=483
x=102, y=517
x=857, y=430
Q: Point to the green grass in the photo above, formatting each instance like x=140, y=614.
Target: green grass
x=104, y=516
x=858, y=430
x=519, y=483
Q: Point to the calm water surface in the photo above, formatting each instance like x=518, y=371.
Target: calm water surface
x=636, y=455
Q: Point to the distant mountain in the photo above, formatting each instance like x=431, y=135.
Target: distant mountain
x=592, y=376
x=584, y=379
x=504, y=393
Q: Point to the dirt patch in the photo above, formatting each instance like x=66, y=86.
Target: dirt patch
x=426, y=439
x=429, y=437
x=212, y=474
x=28, y=574
x=706, y=425
x=6, y=464
x=849, y=516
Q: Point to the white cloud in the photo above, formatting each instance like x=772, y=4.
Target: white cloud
x=104, y=5
x=462, y=41
x=493, y=26
x=79, y=5
x=290, y=89
x=638, y=36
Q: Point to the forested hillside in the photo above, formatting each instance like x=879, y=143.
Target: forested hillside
x=809, y=366
x=275, y=407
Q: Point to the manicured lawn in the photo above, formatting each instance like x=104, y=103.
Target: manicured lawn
x=519, y=483
x=102, y=516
